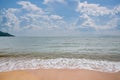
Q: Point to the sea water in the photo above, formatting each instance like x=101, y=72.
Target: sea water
x=101, y=53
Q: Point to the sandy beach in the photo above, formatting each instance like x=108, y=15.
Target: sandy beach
x=58, y=74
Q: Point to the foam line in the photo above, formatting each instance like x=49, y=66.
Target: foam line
x=10, y=64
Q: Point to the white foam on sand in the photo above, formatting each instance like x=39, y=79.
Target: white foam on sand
x=10, y=64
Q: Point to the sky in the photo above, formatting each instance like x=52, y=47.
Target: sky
x=60, y=17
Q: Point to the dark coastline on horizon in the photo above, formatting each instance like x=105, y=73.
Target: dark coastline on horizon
x=4, y=34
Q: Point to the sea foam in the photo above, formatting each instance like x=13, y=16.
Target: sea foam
x=10, y=64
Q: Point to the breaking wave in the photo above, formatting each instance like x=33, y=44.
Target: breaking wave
x=10, y=64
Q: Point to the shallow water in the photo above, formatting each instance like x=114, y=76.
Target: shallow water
x=9, y=64
x=95, y=53
x=61, y=44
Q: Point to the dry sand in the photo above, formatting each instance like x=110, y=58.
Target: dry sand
x=58, y=74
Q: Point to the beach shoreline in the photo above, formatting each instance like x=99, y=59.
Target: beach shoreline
x=58, y=74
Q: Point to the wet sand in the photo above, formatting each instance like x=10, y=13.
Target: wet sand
x=58, y=74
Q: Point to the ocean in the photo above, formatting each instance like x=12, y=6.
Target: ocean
x=100, y=53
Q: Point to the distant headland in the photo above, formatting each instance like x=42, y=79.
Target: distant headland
x=4, y=34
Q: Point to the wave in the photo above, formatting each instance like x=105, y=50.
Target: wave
x=9, y=64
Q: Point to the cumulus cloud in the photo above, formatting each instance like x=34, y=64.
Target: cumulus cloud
x=52, y=1
x=92, y=14
x=9, y=21
x=29, y=17
x=29, y=6
x=55, y=17
x=110, y=24
x=116, y=10
x=34, y=18
x=92, y=9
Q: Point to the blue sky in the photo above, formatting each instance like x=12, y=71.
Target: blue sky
x=60, y=17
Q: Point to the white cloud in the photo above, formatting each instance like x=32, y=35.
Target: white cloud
x=55, y=17
x=92, y=9
x=89, y=22
x=90, y=13
x=29, y=6
x=30, y=17
x=52, y=1
x=96, y=9
x=11, y=20
x=116, y=10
